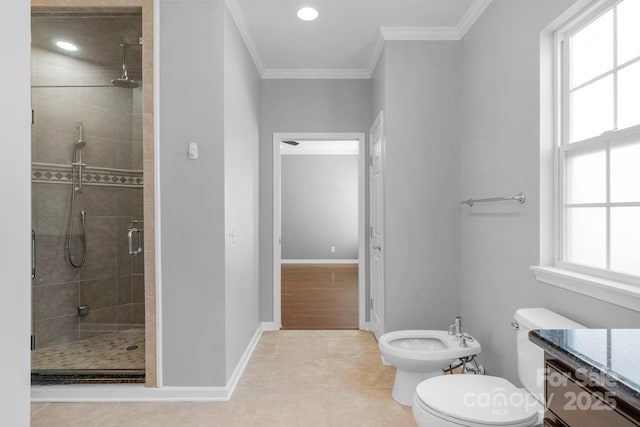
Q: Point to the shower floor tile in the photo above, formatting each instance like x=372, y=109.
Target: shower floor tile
x=102, y=352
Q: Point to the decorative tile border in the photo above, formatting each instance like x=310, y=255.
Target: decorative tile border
x=61, y=174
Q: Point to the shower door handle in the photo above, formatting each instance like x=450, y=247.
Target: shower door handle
x=137, y=232
x=33, y=253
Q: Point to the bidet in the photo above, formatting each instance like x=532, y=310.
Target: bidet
x=421, y=354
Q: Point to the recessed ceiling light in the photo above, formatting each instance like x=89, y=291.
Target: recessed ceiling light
x=66, y=45
x=307, y=14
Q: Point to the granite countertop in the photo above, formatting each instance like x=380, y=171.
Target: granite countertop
x=607, y=357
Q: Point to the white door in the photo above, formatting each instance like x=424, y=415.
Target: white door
x=376, y=222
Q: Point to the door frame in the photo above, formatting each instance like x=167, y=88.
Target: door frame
x=377, y=302
x=277, y=216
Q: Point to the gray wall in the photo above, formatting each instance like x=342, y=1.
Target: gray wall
x=241, y=133
x=378, y=85
x=209, y=206
x=301, y=106
x=319, y=207
x=418, y=85
x=192, y=192
x=15, y=186
x=501, y=155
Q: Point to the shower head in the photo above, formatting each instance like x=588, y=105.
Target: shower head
x=79, y=144
x=125, y=81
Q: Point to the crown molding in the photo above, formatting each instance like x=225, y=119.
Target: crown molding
x=241, y=22
x=419, y=33
x=316, y=73
x=409, y=34
x=474, y=12
x=377, y=51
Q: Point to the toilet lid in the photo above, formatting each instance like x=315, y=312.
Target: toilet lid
x=480, y=399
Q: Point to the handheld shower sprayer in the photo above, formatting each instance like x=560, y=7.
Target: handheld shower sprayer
x=80, y=141
x=76, y=187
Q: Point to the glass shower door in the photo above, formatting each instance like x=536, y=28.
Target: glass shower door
x=88, y=288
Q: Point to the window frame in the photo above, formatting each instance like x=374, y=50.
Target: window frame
x=604, y=142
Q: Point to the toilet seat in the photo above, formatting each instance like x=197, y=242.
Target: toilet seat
x=477, y=400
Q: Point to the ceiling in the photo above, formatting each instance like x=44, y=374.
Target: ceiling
x=346, y=38
x=344, y=42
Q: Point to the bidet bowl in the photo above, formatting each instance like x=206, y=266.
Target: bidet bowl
x=421, y=354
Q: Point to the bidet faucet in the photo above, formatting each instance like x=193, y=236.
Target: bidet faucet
x=456, y=328
x=458, y=324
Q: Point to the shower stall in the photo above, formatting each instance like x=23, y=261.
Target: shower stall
x=88, y=296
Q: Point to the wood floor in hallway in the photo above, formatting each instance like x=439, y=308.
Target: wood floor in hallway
x=319, y=296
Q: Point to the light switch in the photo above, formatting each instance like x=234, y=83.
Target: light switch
x=193, y=150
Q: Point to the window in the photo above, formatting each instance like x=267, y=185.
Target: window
x=599, y=142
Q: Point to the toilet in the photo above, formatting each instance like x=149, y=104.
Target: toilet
x=483, y=400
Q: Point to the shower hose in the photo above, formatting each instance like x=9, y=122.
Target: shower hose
x=70, y=232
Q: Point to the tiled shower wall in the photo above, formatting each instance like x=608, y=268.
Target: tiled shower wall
x=111, y=282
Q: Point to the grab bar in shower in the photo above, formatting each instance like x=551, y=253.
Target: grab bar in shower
x=521, y=197
x=138, y=232
x=33, y=253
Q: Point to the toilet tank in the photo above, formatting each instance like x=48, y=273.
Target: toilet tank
x=530, y=355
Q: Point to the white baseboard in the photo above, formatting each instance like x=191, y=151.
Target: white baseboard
x=319, y=261
x=242, y=363
x=140, y=393
x=270, y=326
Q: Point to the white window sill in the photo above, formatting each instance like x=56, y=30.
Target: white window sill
x=618, y=293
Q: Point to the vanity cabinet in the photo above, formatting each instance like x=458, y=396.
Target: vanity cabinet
x=577, y=399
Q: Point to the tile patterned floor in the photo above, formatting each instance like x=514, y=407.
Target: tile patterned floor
x=105, y=351
x=294, y=378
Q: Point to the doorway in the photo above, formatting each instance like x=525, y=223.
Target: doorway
x=319, y=230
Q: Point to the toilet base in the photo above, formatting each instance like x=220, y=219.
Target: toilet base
x=405, y=383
